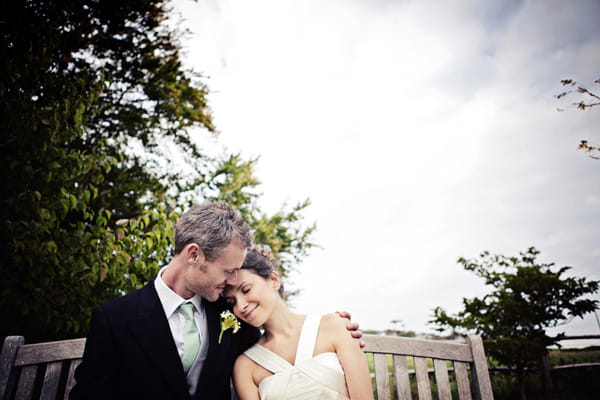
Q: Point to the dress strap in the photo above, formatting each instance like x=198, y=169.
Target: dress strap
x=308, y=338
x=267, y=359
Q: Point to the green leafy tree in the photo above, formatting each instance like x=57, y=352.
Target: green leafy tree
x=587, y=100
x=233, y=181
x=527, y=298
x=95, y=121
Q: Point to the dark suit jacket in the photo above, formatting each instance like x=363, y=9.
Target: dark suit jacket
x=130, y=353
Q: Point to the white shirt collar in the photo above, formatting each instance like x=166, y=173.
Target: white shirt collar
x=171, y=300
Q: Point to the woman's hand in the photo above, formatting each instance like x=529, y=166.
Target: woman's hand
x=352, y=327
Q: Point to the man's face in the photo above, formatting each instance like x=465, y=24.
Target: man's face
x=209, y=279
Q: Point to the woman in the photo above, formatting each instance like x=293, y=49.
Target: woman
x=298, y=356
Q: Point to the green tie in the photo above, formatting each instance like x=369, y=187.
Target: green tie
x=191, y=338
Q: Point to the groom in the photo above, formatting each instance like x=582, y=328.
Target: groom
x=135, y=347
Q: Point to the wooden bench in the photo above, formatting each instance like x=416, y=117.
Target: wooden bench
x=38, y=371
x=465, y=359
x=45, y=370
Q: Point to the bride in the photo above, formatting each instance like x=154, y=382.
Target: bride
x=298, y=356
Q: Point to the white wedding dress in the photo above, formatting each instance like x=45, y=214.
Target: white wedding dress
x=310, y=378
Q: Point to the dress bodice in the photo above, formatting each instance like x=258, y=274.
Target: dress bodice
x=319, y=377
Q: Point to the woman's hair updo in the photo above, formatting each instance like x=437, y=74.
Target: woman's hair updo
x=260, y=261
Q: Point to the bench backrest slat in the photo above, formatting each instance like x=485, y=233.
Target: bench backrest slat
x=401, y=375
x=383, y=384
x=451, y=362
x=419, y=347
x=26, y=383
x=462, y=380
x=71, y=377
x=42, y=353
x=7, y=360
x=442, y=380
x=51, y=381
x=481, y=376
x=423, y=386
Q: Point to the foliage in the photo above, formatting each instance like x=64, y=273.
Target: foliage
x=527, y=298
x=83, y=217
x=577, y=383
x=588, y=100
x=233, y=181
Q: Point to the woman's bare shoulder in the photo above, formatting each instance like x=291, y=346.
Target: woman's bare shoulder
x=332, y=324
x=333, y=320
x=244, y=362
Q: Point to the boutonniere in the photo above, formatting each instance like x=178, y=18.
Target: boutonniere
x=228, y=320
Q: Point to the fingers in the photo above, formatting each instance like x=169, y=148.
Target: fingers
x=356, y=334
x=352, y=326
x=344, y=314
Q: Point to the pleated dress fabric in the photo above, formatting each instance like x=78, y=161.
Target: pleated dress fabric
x=310, y=378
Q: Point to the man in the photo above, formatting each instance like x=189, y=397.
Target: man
x=145, y=345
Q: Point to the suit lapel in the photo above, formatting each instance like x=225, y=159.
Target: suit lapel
x=152, y=332
x=216, y=350
x=217, y=355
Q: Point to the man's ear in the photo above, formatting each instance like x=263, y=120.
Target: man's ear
x=194, y=254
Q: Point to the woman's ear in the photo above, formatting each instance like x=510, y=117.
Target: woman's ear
x=276, y=280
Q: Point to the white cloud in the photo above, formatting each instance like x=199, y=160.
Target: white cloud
x=421, y=131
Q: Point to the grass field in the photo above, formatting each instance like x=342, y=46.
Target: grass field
x=574, y=356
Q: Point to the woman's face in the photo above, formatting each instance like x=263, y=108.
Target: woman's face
x=253, y=297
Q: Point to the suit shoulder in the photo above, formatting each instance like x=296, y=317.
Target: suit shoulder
x=125, y=302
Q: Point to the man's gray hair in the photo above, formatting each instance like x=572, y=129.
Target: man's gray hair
x=212, y=226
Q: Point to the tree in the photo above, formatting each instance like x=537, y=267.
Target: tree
x=233, y=181
x=588, y=100
x=527, y=298
x=96, y=114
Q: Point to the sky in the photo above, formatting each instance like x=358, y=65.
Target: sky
x=421, y=132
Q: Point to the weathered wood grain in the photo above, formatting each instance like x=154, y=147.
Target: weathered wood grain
x=462, y=355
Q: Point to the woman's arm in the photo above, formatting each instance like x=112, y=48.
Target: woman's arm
x=353, y=360
x=243, y=381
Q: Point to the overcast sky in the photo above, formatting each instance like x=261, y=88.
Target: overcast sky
x=421, y=131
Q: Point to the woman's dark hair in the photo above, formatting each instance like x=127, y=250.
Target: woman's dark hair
x=260, y=261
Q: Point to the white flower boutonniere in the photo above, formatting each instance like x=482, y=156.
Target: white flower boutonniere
x=228, y=320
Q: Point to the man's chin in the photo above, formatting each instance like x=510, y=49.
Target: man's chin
x=215, y=295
